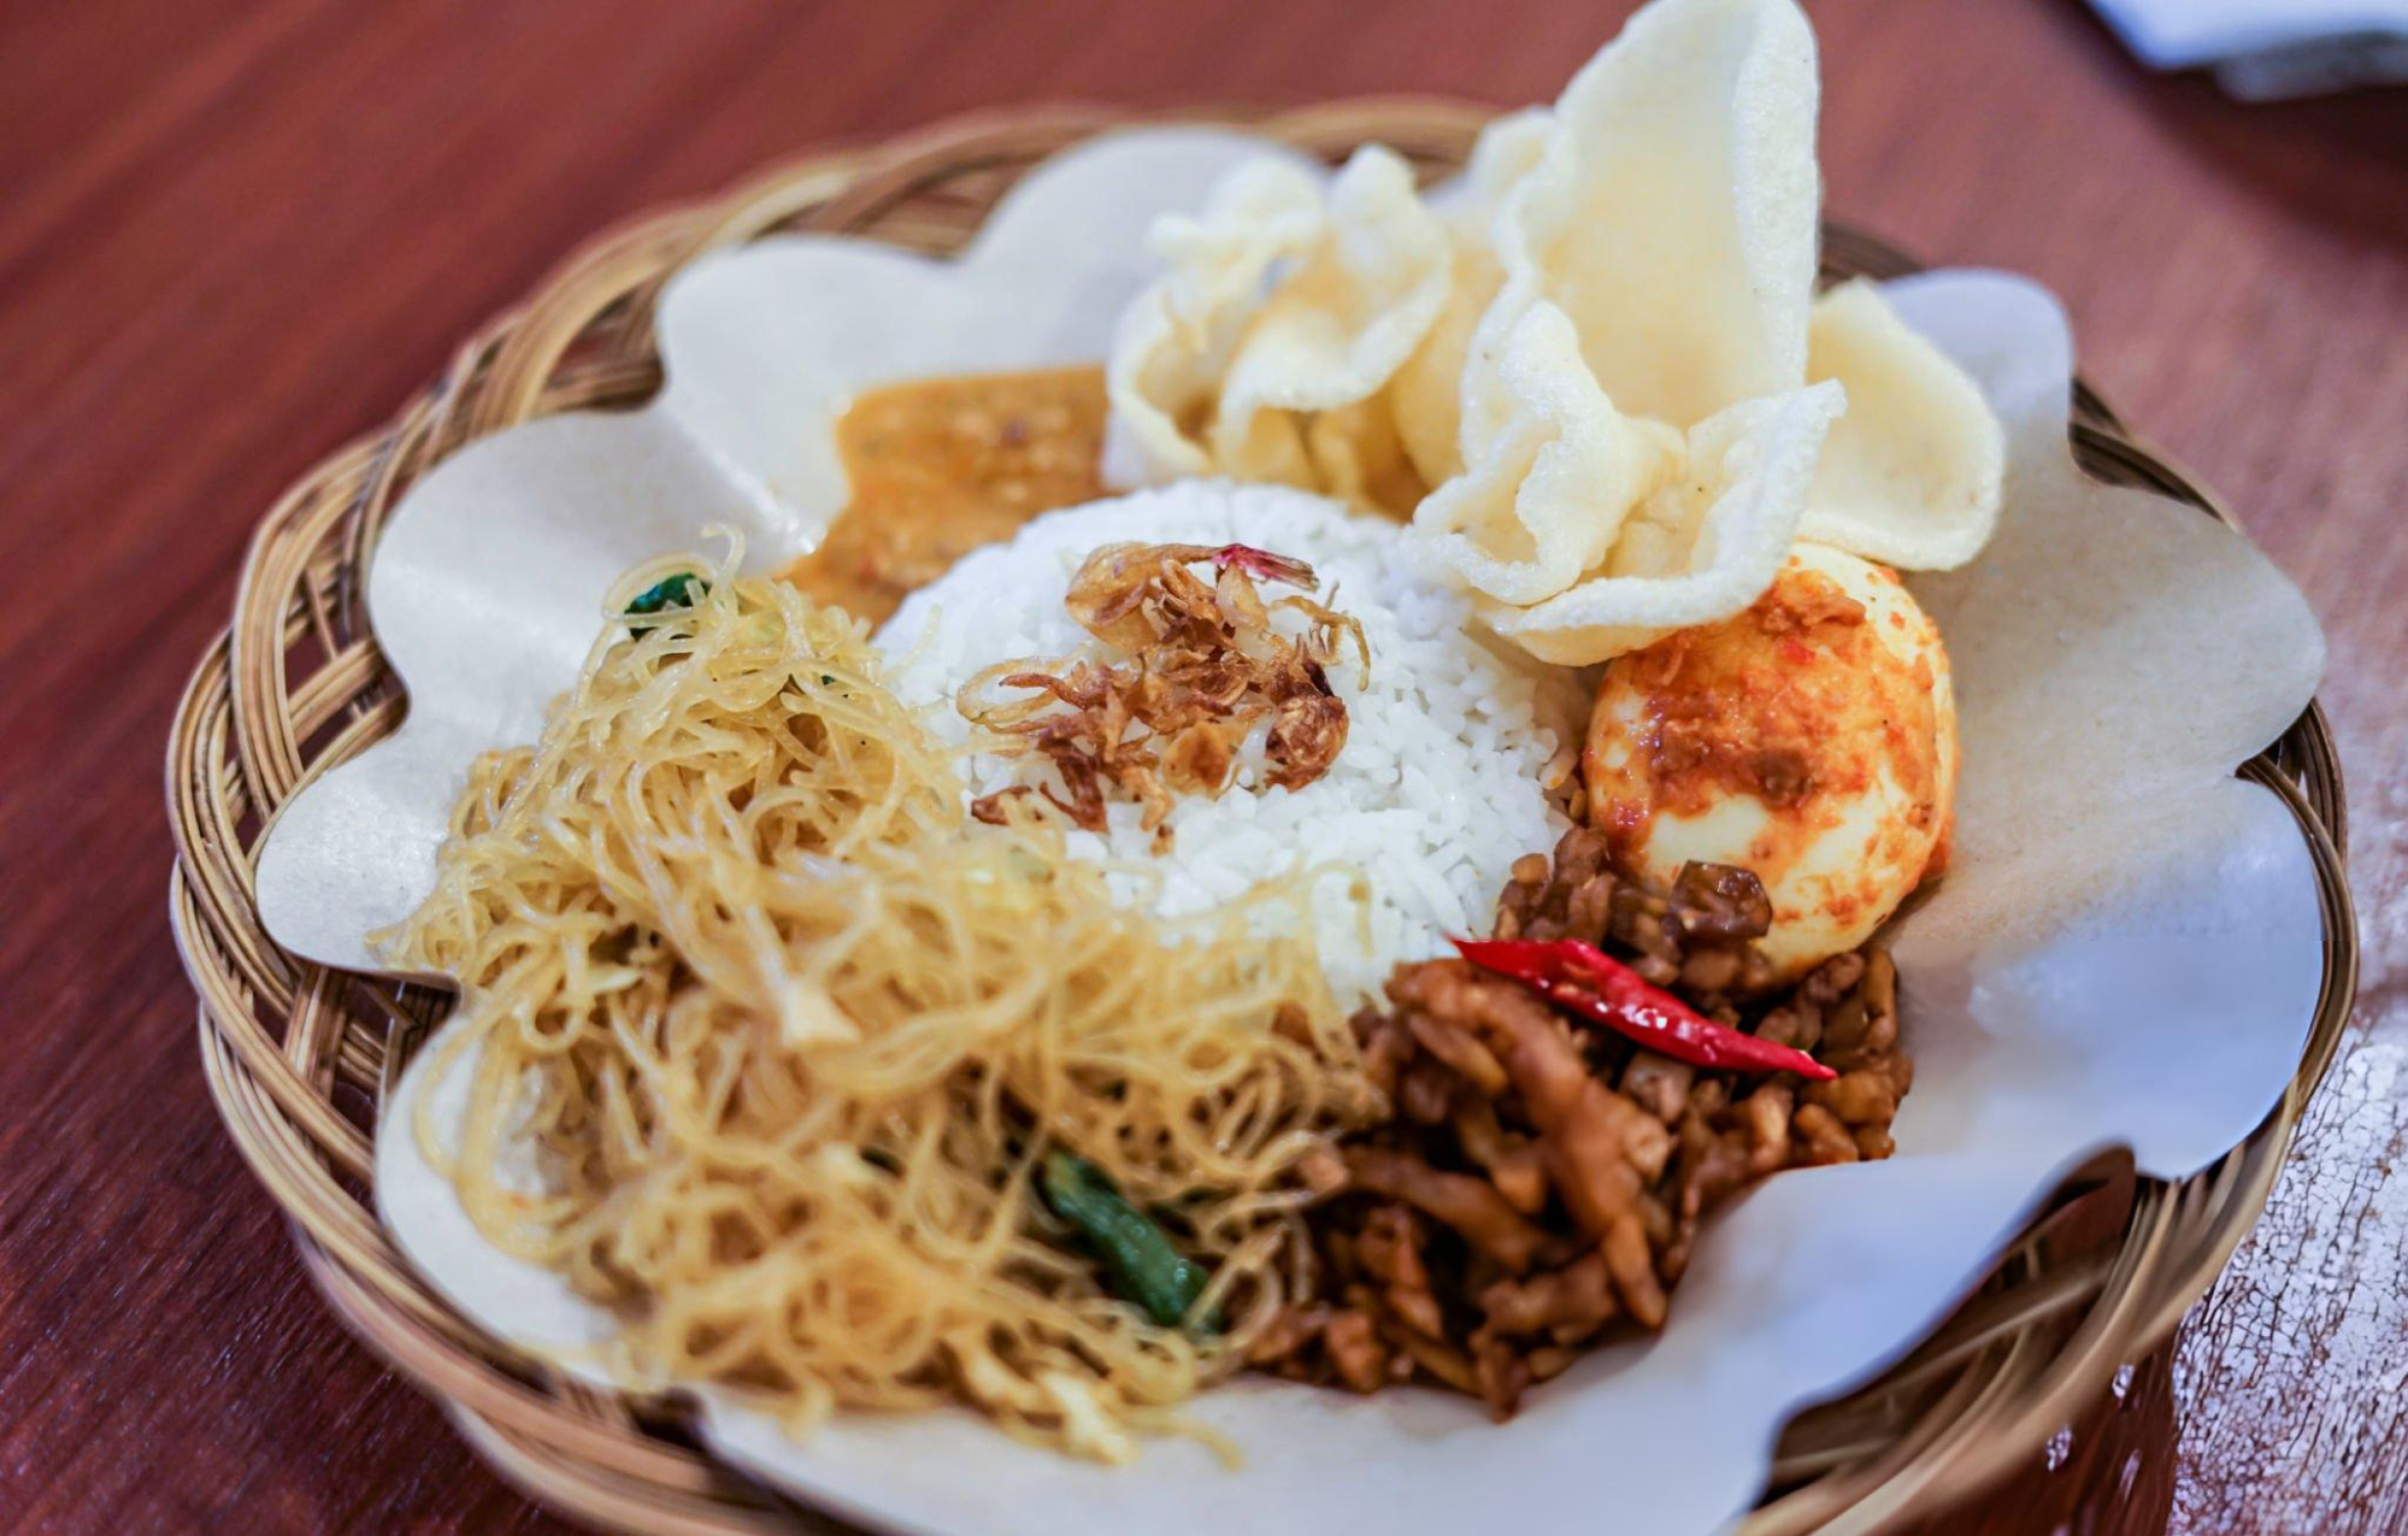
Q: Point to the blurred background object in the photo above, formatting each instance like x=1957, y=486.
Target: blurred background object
x=2270, y=50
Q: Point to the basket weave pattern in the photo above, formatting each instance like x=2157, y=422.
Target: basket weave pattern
x=299, y=1057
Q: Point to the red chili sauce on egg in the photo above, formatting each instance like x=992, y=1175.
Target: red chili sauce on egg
x=1796, y=702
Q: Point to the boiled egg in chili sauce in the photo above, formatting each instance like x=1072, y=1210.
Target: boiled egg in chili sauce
x=1811, y=739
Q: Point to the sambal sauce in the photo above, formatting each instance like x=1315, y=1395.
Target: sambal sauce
x=941, y=467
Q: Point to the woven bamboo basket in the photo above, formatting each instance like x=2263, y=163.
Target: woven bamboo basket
x=299, y=1057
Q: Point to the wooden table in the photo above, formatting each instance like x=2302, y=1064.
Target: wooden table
x=237, y=232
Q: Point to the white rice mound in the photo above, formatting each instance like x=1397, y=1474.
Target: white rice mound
x=1450, y=750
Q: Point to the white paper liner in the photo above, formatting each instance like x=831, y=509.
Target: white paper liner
x=2126, y=949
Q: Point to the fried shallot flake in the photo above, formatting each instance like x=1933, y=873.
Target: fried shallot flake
x=1204, y=664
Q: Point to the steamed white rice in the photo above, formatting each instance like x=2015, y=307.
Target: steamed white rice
x=1449, y=752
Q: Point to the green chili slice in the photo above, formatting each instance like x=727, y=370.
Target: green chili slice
x=683, y=589
x=1144, y=1266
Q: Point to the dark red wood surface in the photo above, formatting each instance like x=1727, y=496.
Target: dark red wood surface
x=233, y=235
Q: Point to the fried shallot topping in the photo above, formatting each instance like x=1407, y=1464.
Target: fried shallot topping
x=1205, y=663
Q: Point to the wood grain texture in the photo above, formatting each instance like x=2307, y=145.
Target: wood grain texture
x=237, y=232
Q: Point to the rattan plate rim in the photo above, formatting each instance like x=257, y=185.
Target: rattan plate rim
x=296, y=1055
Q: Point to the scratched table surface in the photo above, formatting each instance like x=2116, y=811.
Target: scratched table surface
x=235, y=234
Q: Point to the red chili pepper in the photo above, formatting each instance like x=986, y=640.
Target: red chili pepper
x=1582, y=979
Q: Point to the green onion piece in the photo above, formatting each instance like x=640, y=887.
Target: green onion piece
x=1145, y=1268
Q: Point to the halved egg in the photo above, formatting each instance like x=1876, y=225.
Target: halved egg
x=1811, y=739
